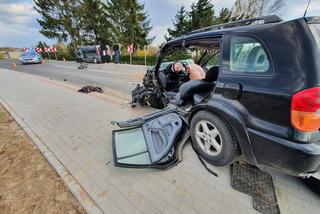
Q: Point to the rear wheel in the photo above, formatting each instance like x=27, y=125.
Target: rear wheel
x=213, y=139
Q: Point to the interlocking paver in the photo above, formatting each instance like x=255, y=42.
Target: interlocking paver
x=76, y=128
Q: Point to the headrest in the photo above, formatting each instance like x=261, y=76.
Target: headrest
x=252, y=57
x=212, y=74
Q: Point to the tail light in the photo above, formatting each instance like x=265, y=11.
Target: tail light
x=305, y=110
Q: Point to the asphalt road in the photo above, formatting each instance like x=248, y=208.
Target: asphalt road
x=112, y=78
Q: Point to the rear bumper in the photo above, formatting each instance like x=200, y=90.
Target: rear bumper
x=289, y=157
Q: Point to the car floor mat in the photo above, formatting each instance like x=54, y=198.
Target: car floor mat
x=256, y=183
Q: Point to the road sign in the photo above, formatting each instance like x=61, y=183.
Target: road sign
x=46, y=49
x=53, y=49
x=39, y=50
x=130, y=48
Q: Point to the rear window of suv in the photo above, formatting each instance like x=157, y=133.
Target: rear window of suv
x=247, y=56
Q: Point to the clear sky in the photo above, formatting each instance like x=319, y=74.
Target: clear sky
x=19, y=28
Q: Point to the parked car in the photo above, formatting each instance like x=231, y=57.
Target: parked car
x=30, y=57
x=260, y=101
x=91, y=54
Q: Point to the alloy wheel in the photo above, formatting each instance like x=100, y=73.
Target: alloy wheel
x=208, y=138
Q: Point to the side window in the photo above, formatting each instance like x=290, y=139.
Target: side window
x=247, y=56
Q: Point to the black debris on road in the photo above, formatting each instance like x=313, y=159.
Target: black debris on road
x=89, y=89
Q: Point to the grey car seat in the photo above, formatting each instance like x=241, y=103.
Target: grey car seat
x=196, y=90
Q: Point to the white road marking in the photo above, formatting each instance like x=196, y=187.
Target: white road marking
x=109, y=72
x=59, y=66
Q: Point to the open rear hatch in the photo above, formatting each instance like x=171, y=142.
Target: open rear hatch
x=154, y=140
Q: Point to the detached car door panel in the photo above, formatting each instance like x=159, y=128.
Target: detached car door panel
x=153, y=143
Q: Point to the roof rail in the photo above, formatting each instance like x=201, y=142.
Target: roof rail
x=259, y=20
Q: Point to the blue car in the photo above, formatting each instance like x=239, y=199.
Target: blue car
x=30, y=58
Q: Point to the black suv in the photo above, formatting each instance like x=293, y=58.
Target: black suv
x=259, y=100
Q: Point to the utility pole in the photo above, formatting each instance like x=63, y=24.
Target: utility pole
x=130, y=58
x=55, y=52
x=145, y=55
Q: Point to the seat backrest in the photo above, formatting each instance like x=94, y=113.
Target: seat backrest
x=162, y=80
x=212, y=74
x=254, y=55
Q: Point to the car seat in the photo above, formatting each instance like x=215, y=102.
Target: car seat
x=257, y=60
x=162, y=79
x=197, y=90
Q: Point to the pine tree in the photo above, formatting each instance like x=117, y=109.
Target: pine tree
x=181, y=24
x=94, y=22
x=60, y=20
x=224, y=16
x=116, y=12
x=202, y=14
x=131, y=24
x=137, y=25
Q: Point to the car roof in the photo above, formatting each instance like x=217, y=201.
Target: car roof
x=253, y=28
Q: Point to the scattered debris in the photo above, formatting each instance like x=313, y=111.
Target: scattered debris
x=88, y=89
x=83, y=65
x=148, y=97
x=108, y=162
x=256, y=183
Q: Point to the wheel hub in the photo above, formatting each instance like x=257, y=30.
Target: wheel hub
x=208, y=138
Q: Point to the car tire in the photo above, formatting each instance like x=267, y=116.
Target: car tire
x=312, y=183
x=213, y=139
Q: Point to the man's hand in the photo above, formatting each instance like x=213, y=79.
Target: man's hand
x=177, y=67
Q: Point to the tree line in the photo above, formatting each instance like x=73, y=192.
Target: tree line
x=84, y=22
x=202, y=14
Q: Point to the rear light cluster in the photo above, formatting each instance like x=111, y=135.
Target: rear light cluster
x=305, y=110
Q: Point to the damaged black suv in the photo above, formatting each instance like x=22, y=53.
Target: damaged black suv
x=259, y=99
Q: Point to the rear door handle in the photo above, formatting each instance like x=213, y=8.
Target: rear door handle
x=232, y=91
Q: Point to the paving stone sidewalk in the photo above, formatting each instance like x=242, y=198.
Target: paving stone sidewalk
x=76, y=130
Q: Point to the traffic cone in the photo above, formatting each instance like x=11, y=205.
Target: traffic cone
x=14, y=65
x=42, y=61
